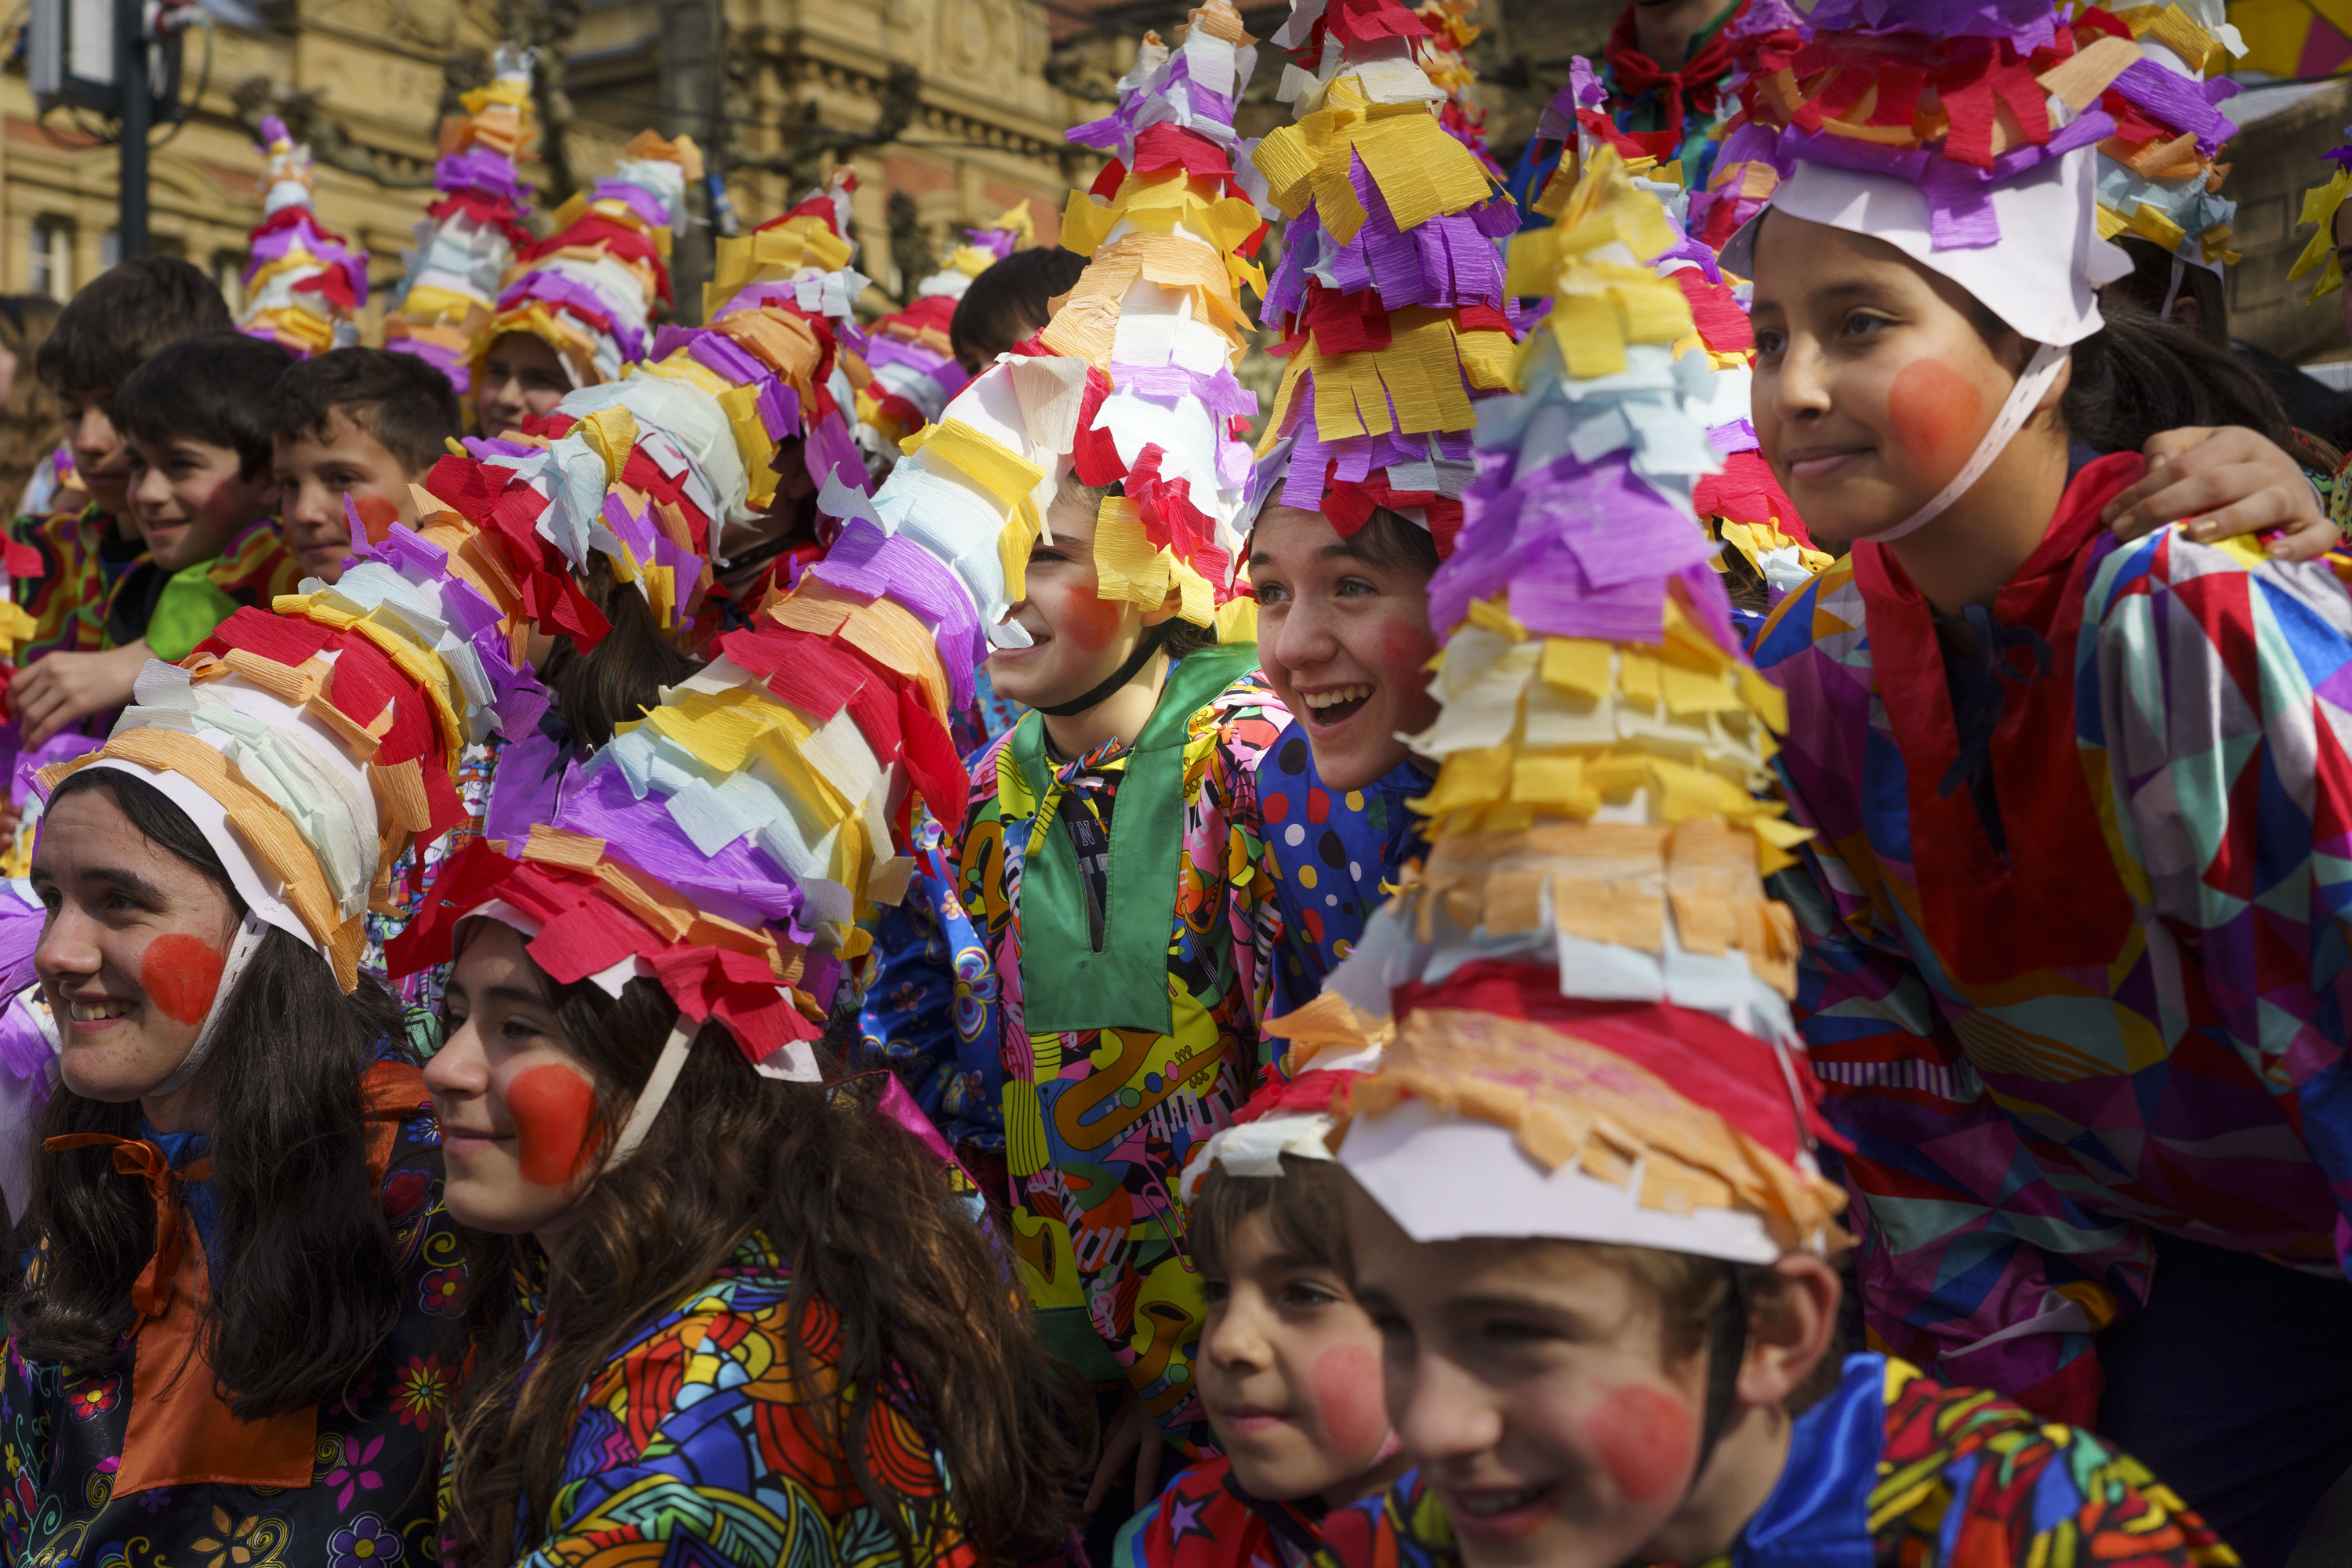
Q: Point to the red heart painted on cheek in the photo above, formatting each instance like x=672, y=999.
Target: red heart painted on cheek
x=180, y=975
x=553, y=1107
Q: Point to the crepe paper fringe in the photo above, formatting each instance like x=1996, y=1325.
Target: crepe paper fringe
x=1443, y=57
x=1572, y=1104
x=468, y=237
x=303, y=281
x=1286, y=1116
x=588, y=290
x=2319, y=204
x=2158, y=176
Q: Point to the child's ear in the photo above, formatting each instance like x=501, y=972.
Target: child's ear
x=1792, y=1326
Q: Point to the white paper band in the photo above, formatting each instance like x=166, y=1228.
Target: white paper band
x=658, y=1084
x=250, y=936
x=2024, y=398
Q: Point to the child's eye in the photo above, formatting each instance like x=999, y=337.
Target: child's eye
x=1769, y=343
x=1215, y=1291
x=1514, y=1333
x=1299, y=1293
x=1355, y=588
x=1391, y=1325
x=1272, y=593
x=1861, y=324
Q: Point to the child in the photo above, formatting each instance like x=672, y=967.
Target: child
x=360, y=423
x=2090, y=1085
x=1008, y=302
x=1289, y=1365
x=1585, y=1208
x=577, y=310
x=196, y=417
x=104, y=332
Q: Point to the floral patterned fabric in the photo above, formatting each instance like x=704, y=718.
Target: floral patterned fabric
x=1334, y=855
x=1098, y=1122
x=697, y=1446
x=1896, y=1471
x=2135, y=1021
x=1204, y=1520
x=370, y=1498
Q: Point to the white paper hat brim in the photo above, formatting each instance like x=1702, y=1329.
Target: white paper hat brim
x=2043, y=277
x=1450, y=1178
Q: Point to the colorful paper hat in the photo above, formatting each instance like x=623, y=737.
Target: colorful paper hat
x=800, y=264
x=2319, y=204
x=470, y=233
x=1580, y=996
x=1961, y=133
x=303, y=281
x=2158, y=179
x=1745, y=172
x=1443, y=57
x=1132, y=381
x=1390, y=292
x=910, y=353
x=588, y=290
x=1286, y=1116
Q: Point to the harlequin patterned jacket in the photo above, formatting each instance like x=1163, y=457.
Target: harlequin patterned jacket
x=2133, y=1019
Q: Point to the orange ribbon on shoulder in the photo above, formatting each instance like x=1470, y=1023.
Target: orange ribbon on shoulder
x=181, y=1430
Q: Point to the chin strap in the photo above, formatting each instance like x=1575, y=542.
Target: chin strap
x=1146, y=646
x=241, y=950
x=659, y=1083
x=1726, y=1349
x=2040, y=371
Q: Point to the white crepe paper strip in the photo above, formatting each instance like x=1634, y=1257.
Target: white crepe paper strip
x=1256, y=1148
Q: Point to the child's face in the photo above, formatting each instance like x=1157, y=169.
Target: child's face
x=313, y=477
x=1343, y=638
x=1079, y=639
x=1873, y=386
x=517, y=1105
x=522, y=378
x=190, y=498
x=102, y=457
x=979, y=354
x=1529, y=1381
x=1289, y=1372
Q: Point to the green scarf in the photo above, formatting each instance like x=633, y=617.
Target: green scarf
x=1066, y=984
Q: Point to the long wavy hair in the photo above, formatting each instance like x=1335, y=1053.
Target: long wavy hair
x=33, y=420
x=868, y=1224
x=309, y=1283
x=624, y=674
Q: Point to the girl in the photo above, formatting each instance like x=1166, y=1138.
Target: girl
x=2070, y=970
x=712, y=1306
x=227, y=1341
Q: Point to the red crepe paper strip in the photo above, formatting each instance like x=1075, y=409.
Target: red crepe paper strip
x=596, y=229
x=1746, y=492
x=1722, y=325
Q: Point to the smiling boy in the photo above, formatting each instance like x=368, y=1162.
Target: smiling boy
x=197, y=419
x=365, y=424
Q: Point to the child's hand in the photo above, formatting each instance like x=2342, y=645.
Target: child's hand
x=2230, y=480
x=65, y=686
x=1131, y=1434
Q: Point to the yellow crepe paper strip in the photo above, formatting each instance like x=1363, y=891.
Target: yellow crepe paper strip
x=773, y=255
x=2319, y=204
x=1420, y=170
x=1009, y=477
x=1426, y=370
x=1160, y=204
x=2176, y=30
x=1129, y=567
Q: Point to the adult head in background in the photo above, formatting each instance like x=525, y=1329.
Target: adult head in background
x=233, y=1310
x=1010, y=302
x=32, y=417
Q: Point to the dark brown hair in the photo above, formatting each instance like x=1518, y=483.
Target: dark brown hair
x=214, y=389
x=1689, y=1290
x=408, y=406
x=622, y=676
x=309, y=1283
x=1302, y=1205
x=2151, y=279
x=1008, y=302
x=869, y=1226
x=124, y=315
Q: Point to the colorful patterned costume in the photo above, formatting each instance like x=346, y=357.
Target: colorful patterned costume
x=1898, y=1472
x=1204, y=1520
x=1673, y=112
x=696, y=1435
x=2041, y=1060
x=1098, y=1120
x=411, y=873
x=368, y=1493
x=1334, y=860
x=83, y=556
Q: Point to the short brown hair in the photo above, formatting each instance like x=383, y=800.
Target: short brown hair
x=1302, y=1204
x=120, y=318
x=1689, y=1290
x=403, y=402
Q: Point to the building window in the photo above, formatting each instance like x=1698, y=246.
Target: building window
x=52, y=257
x=228, y=275
x=109, y=250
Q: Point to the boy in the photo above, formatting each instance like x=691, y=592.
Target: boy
x=1010, y=302
x=361, y=422
x=196, y=418
x=122, y=317
x=522, y=378
x=1289, y=1364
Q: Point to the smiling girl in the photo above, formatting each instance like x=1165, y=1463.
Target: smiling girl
x=2073, y=972
x=230, y=1336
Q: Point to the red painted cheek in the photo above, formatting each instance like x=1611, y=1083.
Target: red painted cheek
x=553, y=1107
x=1404, y=649
x=181, y=976
x=1937, y=416
x=1090, y=620
x=377, y=515
x=1644, y=1437
x=1347, y=1398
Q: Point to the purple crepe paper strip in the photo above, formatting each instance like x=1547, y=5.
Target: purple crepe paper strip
x=719, y=352
x=866, y=561
x=273, y=129
x=643, y=834
x=553, y=289
x=778, y=407
x=2177, y=101
x=1739, y=436
x=2029, y=24
x=479, y=169
x=648, y=206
